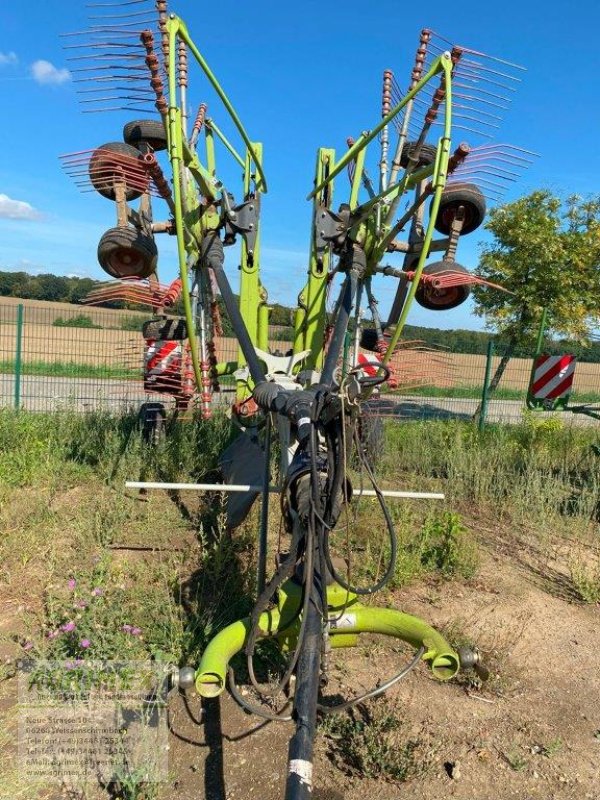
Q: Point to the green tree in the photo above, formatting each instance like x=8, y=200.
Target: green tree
x=547, y=254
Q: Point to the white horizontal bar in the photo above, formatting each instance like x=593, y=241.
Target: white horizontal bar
x=400, y=495
x=236, y=487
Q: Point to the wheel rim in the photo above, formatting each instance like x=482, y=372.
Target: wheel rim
x=449, y=213
x=442, y=298
x=127, y=262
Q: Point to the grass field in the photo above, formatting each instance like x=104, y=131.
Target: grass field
x=59, y=369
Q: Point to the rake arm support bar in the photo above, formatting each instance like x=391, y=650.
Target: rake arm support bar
x=365, y=139
x=213, y=258
x=176, y=26
x=210, y=124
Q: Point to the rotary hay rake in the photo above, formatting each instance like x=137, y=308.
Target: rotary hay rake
x=311, y=603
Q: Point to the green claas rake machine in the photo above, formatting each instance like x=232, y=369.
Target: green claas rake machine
x=412, y=200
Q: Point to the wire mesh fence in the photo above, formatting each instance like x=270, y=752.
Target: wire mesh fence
x=59, y=356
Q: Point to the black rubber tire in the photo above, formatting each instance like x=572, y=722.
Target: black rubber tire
x=371, y=437
x=426, y=156
x=145, y=131
x=152, y=418
x=163, y=329
x=127, y=253
x=368, y=339
x=103, y=168
x=461, y=194
x=442, y=299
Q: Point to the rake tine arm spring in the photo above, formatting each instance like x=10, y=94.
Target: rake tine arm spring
x=161, y=7
x=417, y=74
x=386, y=107
x=157, y=175
x=198, y=124
x=152, y=63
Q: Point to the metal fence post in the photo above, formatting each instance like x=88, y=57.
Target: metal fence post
x=539, y=344
x=486, y=384
x=18, y=355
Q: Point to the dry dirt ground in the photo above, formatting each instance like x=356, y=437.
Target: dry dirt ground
x=532, y=732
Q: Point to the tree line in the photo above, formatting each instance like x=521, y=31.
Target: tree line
x=58, y=288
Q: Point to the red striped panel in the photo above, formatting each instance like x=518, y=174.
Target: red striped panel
x=366, y=364
x=561, y=363
x=564, y=387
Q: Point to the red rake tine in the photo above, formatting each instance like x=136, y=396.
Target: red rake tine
x=478, y=53
x=474, y=99
x=130, y=15
x=121, y=4
x=100, y=45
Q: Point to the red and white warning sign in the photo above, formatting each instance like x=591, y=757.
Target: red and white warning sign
x=552, y=377
x=369, y=364
x=162, y=365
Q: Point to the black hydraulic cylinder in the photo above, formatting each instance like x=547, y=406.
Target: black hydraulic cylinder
x=339, y=332
x=213, y=256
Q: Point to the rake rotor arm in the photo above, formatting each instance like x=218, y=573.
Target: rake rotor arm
x=366, y=138
x=439, y=181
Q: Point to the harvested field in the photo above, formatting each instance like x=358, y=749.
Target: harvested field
x=109, y=346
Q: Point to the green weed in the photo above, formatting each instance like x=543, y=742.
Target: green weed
x=585, y=577
x=370, y=741
x=77, y=321
x=551, y=748
x=515, y=760
x=447, y=546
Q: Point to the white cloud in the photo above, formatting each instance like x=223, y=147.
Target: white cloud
x=8, y=58
x=17, y=209
x=44, y=72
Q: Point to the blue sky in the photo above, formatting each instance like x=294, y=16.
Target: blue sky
x=301, y=76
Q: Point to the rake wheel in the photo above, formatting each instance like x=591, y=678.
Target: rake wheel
x=145, y=131
x=467, y=195
x=127, y=253
x=447, y=297
x=165, y=330
x=426, y=155
x=107, y=167
x=152, y=419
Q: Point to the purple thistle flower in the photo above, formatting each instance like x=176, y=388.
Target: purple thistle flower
x=85, y=643
x=72, y=583
x=69, y=665
x=27, y=645
x=78, y=662
x=81, y=604
x=53, y=634
x=136, y=631
x=127, y=628
x=68, y=627
x=97, y=592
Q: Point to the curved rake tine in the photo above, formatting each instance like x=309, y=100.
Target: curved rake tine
x=480, y=54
